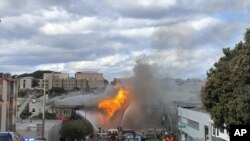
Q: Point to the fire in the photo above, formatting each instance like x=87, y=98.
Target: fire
x=110, y=106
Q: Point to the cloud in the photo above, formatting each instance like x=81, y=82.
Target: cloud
x=194, y=33
x=183, y=37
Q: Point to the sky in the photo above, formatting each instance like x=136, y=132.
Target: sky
x=181, y=38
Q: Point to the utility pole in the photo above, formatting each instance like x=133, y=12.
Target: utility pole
x=44, y=99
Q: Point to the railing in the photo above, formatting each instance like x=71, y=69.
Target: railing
x=21, y=109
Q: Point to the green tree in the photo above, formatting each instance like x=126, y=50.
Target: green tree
x=47, y=116
x=22, y=93
x=226, y=93
x=34, y=83
x=76, y=129
x=55, y=91
x=25, y=114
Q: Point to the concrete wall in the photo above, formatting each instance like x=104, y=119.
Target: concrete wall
x=37, y=106
x=191, y=117
x=196, y=133
x=26, y=83
x=8, y=93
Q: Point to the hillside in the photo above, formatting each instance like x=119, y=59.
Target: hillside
x=37, y=74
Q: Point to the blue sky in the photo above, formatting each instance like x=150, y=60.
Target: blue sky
x=180, y=38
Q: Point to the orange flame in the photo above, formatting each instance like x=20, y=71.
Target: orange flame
x=110, y=106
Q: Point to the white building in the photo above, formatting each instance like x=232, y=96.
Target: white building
x=36, y=106
x=26, y=82
x=8, y=98
x=196, y=125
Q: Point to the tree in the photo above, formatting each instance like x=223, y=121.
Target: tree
x=47, y=116
x=54, y=91
x=76, y=129
x=35, y=83
x=226, y=93
x=22, y=93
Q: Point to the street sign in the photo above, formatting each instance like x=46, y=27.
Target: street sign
x=181, y=126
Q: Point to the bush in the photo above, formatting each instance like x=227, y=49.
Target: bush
x=55, y=91
x=47, y=116
x=22, y=93
x=76, y=129
x=25, y=114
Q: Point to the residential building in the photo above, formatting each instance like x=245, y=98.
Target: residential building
x=81, y=83
x=52, y=78
x=69, y=84
x=94, y=79
x=26, y=83
x=42, y=82
x=8, y=98
x=57, y=83
x=83, y=80
x=95, y=83
x=196, y=125
x=89, y=75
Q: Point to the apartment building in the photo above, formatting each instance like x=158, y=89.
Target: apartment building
x=8, y=98
x=42, y=82
x=69, y=84
x=51, y=78
x=81, y=83
x=89, y=75
x=94, y=79
x=82, y=80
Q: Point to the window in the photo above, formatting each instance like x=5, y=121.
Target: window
x=33, y=110
x=193, y=124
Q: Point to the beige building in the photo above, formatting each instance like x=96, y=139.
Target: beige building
x=41, y=84
x=69, y=84
x=81, y=83
x=26, y=83
x=95, y=83
x=52, y=78
x=83, y=80
x=8, y=98
x=94, y=79
x=57, y=83
x=89, y=75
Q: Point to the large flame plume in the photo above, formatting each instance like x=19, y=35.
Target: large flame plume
x=112, y=105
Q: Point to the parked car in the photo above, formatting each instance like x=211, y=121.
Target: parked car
x=10, y=136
